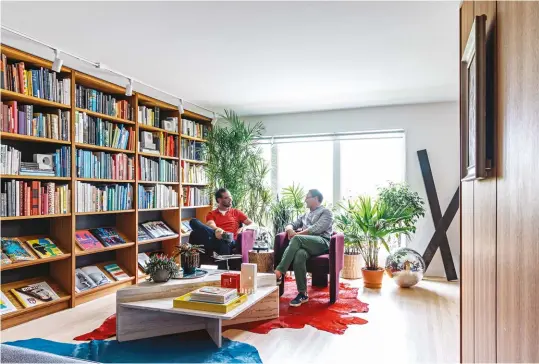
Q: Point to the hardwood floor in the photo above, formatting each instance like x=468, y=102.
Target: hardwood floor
x=405, y=325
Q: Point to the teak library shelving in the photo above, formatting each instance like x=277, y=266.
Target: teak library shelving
x=59, y=271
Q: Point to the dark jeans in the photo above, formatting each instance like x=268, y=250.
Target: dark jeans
x=204, y=235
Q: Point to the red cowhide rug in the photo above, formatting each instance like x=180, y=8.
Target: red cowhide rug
x=317, y=313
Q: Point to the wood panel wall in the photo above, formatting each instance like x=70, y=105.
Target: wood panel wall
x=500, y=215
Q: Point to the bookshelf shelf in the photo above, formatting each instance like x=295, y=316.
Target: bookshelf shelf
x=16, y=96
x=105, y=212
x=194, y=184
x=104, y=180
x=195, y=117
x=157, y=183
x=106, y=149
x=8, y=218
x=104, y=287
x=153, y=128
x=105, y=116
x=164, y=238
x=183, y=136
x=79, y=252
x=194, y=161
x=34, y=262
x=157, y=156
x=28, y=138
x=46, y=178
x=158, y=209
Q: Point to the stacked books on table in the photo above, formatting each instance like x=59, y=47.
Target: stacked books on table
x=211, y=298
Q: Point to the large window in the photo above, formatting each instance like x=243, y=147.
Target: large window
x=339, y=165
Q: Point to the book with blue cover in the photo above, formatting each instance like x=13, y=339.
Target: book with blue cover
x=108, y=236
x=15, y=250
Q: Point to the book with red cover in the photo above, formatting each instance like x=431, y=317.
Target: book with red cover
x=86, y=241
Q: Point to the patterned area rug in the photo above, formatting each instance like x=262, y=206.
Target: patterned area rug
x=194, y=347
x=317, y=313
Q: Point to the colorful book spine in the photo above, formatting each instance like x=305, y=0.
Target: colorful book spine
x=91, y=164
x=194, y=129
x=194, y=196
x=21, y=119
x=192, y=150
x=93, y=100
x=158, y=196
x=108, y=197
x=29, y=198
x=193, y=173
x=103, y=133
x=161, y=170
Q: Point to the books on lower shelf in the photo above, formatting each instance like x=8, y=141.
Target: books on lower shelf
x=157, y=196
x=157, y=229
x=94, y=100
x=15, y=250
x=44, y=247
x=35, y=294
x=193, y=173
x=161, y=170
x=192, y=150
x=103, y=133
x=116, y=272
x=103, y=197
x=158, y=143
x=214, y=294
x=29, y=198
x=86, y=241
x=89, y=277
x=5, y=304
x=92, y=164
x=108, y=236
x=37, y=82
x=57, y=164
x=195, y=196
x=194, y=129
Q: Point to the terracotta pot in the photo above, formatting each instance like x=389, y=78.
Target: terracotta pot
x=352, y=266
x=190, y=263
x=372, y=278
x=160, y=276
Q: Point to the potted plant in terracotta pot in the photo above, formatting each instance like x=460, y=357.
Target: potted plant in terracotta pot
x=190, y=256
x=160, y=268
x=368, y=224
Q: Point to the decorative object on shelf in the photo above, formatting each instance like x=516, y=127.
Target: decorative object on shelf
x=441, y=223
x=190, y=256
x=406, y=267
x=160, y=268
x=368, y=224
x=198, y=273
x=248, y=278
x=473, y=95
x=263, y=260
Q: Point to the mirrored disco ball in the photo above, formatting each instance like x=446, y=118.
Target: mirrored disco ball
x=405, y=267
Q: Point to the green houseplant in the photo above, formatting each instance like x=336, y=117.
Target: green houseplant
x=287, y=208
x=367, y=224
x=189, y=255
x=160, y=268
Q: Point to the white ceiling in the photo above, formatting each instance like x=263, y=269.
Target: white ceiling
x=260, y=57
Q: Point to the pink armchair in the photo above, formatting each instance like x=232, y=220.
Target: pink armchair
x=319, y=266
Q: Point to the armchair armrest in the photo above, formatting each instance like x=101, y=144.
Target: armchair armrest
x=244, y=243
x=280, y=244
x=336, y=252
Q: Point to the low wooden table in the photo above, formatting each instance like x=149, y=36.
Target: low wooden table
x=263, y=260
x=146, y=310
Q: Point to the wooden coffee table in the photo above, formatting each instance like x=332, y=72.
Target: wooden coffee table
x=146, y=310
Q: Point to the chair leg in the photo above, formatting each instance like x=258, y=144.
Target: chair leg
x=281, y=286
x=333, y=288
x=320, y=279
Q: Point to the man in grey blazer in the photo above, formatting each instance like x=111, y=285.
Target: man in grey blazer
x=309, y=236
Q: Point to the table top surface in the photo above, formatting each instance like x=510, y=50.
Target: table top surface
x=166, y=305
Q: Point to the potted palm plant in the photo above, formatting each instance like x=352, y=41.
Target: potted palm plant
x=367, y=224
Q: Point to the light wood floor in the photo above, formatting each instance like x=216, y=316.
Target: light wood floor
x=405, y=325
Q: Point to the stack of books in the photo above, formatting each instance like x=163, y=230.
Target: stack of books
x=211, y=294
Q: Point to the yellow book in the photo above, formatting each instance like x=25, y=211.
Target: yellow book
x=44, y=247
x=186, y=303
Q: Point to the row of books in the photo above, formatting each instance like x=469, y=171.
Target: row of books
x=152, y=117
x=29, y=198
x=21, y=119
x=154, y=230
x=194, y=129
x=98, y=238
x=194, y=196
x=40, y=82
x=109, y=197
x=192, y=150
x=158, y=143
x=161, y=170
x=157, y=196
x=14, y=250
x=93, y=100
x=92, y=164
x=193, y=173
x=56, y=164
x=91, y=276
x=103, y=133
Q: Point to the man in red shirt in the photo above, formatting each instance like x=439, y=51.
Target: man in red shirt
x=224, y=219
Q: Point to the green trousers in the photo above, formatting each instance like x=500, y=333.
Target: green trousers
x=299, y=250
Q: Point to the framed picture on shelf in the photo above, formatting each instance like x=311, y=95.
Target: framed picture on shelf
x=473, y=103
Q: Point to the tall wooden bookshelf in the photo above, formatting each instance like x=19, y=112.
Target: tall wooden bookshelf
x=59, y=271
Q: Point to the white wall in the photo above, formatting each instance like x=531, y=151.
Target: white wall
x=433, y=127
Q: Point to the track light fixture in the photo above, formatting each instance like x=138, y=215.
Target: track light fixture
x=129, y=88
x=58, y=62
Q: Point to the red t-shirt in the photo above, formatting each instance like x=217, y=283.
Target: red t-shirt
x=229, y=222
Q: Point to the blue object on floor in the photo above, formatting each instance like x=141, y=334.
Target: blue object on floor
x=164, y=349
